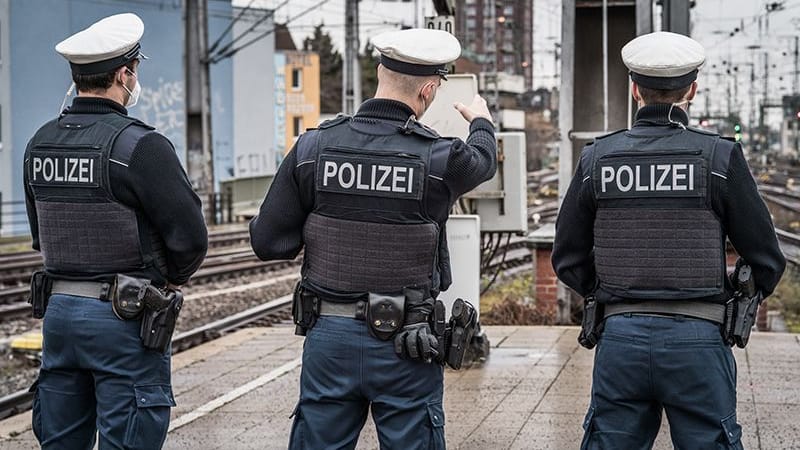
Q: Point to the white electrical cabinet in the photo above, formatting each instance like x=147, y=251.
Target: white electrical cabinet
x=442, y=116
x=502, y=202
x=464, y=243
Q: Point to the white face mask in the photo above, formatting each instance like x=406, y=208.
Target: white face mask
x=133, y=96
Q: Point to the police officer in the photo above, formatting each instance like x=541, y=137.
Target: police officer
x=105, y=195
x=643, y=228
x=368, y=197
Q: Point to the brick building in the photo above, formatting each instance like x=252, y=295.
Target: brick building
x=499, y=32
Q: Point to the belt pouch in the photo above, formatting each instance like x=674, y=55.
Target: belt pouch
x=41, y=285
x=127, y=300
x=159, y=324
x=385, y=314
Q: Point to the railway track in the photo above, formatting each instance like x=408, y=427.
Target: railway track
x=17, y=267
x=13, y=301
x=273, y=311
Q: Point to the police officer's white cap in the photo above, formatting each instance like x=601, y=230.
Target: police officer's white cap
x=104, y=46
x=418, y=51
x=663, y=60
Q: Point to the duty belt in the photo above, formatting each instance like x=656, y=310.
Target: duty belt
x=93, y=289
x=354, y=310
x=699, y=310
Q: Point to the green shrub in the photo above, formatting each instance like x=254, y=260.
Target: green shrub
x=786, y=299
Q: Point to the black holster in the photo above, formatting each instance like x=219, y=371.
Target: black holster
x=159, y=319
x=305, y=309
x=41, y=285
x=741, y=310
x=462, y=326
x=592, y=323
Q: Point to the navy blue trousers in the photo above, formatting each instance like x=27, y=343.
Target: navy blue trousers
x=345, y=373
x=97, y=377
x=645, y=364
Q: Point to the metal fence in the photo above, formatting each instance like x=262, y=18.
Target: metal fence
x=13, y=217
x=217, y=208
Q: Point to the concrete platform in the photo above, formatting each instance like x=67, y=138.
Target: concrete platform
x=239, y=391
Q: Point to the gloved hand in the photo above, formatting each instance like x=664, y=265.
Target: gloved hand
x=416, y=342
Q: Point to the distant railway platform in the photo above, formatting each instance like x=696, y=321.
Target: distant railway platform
x=238, y=392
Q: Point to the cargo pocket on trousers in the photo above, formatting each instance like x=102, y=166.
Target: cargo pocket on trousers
x=36, y=411
x=587, y=428
x=733, y=433
x=148, y=424
x=436, y=416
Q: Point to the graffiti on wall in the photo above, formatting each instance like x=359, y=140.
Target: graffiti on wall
x=163, y=107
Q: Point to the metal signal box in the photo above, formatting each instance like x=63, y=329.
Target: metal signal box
x=502, y=202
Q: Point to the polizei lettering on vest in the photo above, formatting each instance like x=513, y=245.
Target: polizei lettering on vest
x=648, y=177
x=368, y=177
x=63, y=170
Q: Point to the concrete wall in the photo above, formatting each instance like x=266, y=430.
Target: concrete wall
x=219, y=16
x=5, y=116
x=39, y=77
x=253, y=99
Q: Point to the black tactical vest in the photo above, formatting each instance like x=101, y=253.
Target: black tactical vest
x=369, y=230
x=83, y=229
x=656, y=235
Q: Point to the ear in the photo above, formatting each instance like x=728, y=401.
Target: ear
x=635, y=92
x=692, y=91
x=120, y=72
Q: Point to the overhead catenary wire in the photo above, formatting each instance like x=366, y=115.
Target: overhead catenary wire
x=229, y=27
x=232, y=51
x=229, y=46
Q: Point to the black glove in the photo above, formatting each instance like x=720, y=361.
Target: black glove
x=416, y=342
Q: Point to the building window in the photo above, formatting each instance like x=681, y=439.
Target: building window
x=297, y=79
x=508, y=10
x=297, y=126
x=471, y=24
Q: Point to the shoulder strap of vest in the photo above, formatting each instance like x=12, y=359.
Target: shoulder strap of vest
x=420, y=129
x=610, y=134
x=721, y=155
x=701, y=131
x=120, y=121
x=338, y=120
x=440, y=156
x=306, y=144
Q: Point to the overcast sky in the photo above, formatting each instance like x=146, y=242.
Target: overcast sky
x=712, y=23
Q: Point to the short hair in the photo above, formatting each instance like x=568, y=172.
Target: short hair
x=97, y=81
x=408, y=84
x=650, y=96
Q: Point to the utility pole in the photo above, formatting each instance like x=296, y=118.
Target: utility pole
x=796, y=81
x=675, y=16
x=199, y=157
x=351, y=79
x=764, y=102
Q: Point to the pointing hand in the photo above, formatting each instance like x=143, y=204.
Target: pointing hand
x=476, y=109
